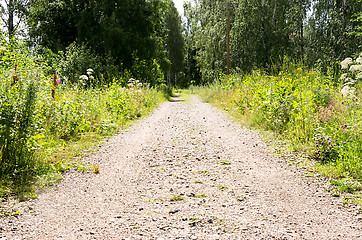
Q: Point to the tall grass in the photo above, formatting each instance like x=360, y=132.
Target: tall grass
x=306, y=108
x=41, y=116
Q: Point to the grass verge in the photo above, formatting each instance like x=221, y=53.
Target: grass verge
x=305, y=112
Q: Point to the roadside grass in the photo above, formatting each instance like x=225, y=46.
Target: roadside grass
x=48, y=124
x=69, y=130
x=303, y=112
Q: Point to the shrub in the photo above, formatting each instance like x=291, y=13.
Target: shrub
x=17, y=127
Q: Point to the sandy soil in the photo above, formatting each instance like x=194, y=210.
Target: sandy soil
x=186, y=172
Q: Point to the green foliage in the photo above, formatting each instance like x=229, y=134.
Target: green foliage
x=264, y=32
x=346, y=185
x=261, y=32
x=75, y=62
x=104, y=36
x=18, y=94
x=40, y=115
x=304, y=107
x=328, y=43
x=17, y=104
x=52, y=24
x=150, y=71
x=165, y=90
x=174, y=42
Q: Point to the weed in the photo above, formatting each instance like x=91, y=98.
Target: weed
x=96, y=169
x=225, y=162
x=201, y=195
x=307, y=109
x=46, y=119
x=346, y=185
x=176, y=198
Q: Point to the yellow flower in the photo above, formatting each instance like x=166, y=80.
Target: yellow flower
x=299, y=69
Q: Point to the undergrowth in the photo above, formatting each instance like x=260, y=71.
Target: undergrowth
x=46, y=122
x=312, y=112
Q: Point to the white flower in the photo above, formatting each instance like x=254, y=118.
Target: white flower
x=355, y=68
x=343, y=76
x=350, y=81
x=83, y=77
x=359, y=75
x=359, y=68
x=90, y=71
x=359, y=60
x=2, y=50
x=346, y=62
x=347, y=90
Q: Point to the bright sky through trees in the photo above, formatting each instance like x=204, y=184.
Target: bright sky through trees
x=179, y=4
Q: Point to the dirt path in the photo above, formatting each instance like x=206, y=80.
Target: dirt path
x=186, y=172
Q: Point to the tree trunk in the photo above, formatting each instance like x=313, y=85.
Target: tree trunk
x=274, y=14
x=11, y=19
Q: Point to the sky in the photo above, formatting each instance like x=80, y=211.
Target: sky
x=180, y=6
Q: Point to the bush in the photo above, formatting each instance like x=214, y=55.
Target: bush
x=75, y=62
x=165, y=90
x=304, y=107
x=17, y=127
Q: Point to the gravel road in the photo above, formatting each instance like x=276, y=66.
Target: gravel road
x=185, y=172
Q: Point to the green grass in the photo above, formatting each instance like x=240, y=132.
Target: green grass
x=46, y=126
x=224, y=162
x=176, y=198
x=201, y=195
x=303, y=110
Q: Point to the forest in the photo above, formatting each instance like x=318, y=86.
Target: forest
x=73, y=72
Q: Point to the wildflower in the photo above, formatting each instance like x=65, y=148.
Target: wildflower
x=90, y=71
x=14, y=76
x=2, y=50
x=355, y=68
x=359, y=75
x=58, y=81
x=54, y=83
x=299, y=69
x=83, y=77
x=343, y=76
x=55, y=80
x=347, y=90
x=345, y=63
x=329, y=146
x=359, y=60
